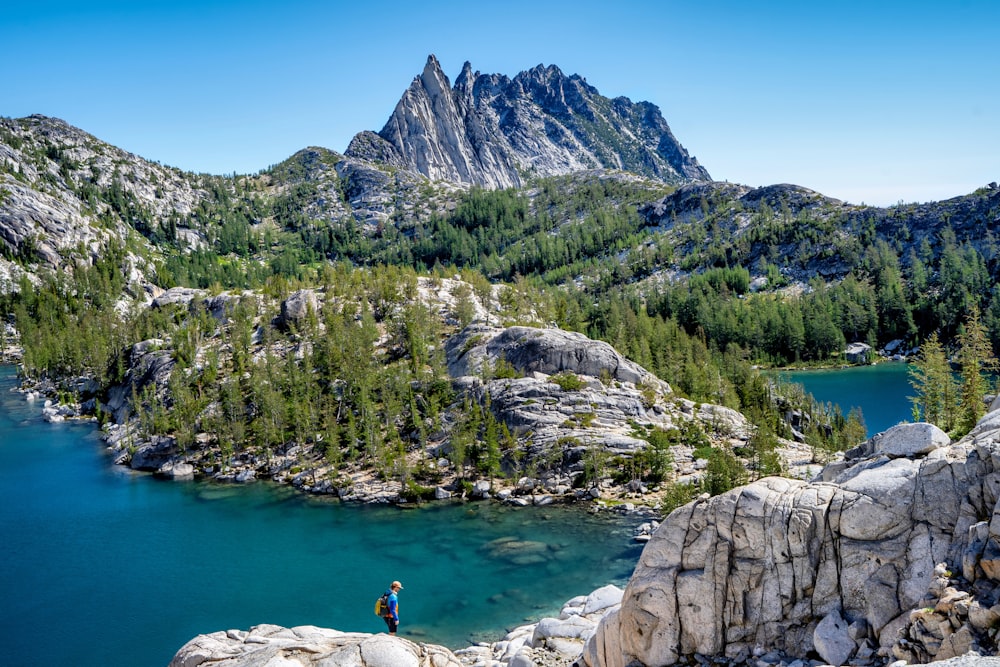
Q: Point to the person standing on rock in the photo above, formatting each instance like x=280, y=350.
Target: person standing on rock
x=392, y=615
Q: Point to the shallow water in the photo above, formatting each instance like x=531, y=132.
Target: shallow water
x=102, y=566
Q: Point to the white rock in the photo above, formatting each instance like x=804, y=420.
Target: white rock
x=832, y=639
x=386, y=651
x=522, y=659
x=575, y=627
x=909, y=440
x=602, y=599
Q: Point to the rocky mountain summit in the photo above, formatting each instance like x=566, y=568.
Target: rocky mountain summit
x=65, y=196
x=492, y=131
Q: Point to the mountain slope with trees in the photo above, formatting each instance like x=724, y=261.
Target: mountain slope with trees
x=113, y=266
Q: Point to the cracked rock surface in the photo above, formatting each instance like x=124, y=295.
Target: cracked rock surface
x=894, y=556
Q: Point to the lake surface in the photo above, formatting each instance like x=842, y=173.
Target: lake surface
x=102, y=566
x=882, y=391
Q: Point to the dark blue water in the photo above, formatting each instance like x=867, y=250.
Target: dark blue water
x=104, y=567
x=882, y=392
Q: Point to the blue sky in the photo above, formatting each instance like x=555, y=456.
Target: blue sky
x=875, y=101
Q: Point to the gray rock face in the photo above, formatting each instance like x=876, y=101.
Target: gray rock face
x=548, y=351
x=298, y=306
x=178, y=295
x=857, y=353
x=489, y=130
x=860, y=567
x=44, y=162
x=154, y=455
x=148, y=365
x=902, y=440
x=378, y=187
x=832, y=639
x=610, y=394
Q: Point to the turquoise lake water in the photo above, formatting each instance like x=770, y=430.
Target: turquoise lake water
x=105, y=567
x=882, y=391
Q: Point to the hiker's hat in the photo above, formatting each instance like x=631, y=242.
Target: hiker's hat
x=396, y=584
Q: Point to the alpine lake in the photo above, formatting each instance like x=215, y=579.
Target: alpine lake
x=103, y=566
x=880, y=391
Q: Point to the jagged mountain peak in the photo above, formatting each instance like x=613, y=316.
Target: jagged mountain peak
x=433, y=77
x=544, y=72
x=467, y=78
x=493, y=131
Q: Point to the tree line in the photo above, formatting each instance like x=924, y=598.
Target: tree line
x=362, y=380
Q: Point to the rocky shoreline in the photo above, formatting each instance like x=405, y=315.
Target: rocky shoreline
x=888, y=559
x=365, y=488
x=551, y=642
x=546, y=417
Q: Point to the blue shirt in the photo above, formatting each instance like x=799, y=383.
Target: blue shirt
x=393, y=605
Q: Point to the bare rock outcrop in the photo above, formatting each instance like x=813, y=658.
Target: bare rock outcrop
x=49, y=171
x=894, y=557
x=570, y=393
x=549, y=642
x=306, y=646
x=299, y=306
x=547, y=351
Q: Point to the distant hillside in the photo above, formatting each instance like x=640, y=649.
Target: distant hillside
x=65, y=195
x=810, y=235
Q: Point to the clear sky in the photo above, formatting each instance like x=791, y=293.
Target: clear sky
x=874, y=101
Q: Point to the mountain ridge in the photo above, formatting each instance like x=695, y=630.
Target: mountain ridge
x=494, y=131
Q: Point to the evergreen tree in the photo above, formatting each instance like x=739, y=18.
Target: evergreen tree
x=975, y=359
x=930, y=377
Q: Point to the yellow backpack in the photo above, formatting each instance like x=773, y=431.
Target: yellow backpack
x=382, y=605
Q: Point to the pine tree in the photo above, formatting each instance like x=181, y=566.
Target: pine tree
x=931, y=379
x=975, y=357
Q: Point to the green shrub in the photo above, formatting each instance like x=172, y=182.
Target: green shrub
x=413, y=492
x=504, y=370
x=723, y=473
x=568, y=381
x=706, y=453
x=677, y=495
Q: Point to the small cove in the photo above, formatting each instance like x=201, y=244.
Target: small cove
x=881, y=391
x=104, y=566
